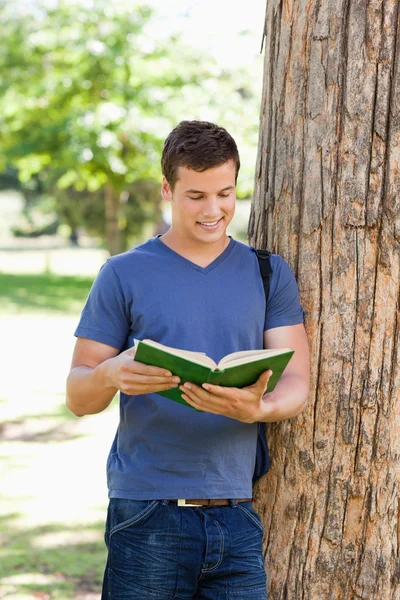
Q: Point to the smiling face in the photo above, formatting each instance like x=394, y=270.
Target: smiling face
x=203, y=204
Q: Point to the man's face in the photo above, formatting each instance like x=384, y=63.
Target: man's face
x=203, y=204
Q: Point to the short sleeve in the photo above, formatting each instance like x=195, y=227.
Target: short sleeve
x=105, y=317
x=283, y=307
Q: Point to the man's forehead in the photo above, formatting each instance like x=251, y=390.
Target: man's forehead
x=224, y=174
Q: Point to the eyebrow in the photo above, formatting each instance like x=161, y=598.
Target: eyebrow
x=230, y=187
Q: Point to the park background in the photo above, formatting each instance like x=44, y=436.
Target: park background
x=52, y=465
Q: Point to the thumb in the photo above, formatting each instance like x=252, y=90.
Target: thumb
x=132, y=351
x=262, y=381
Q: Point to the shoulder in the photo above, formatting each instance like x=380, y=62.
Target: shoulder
x=243, y=252
x=281, y=274
x=133, y=258
x=279, y=266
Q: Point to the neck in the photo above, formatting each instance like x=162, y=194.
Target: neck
x=199, y=253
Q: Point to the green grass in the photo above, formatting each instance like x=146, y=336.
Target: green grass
x=55, y=571
x=40, y=557
x=43, y=293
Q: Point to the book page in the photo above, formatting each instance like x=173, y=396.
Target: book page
x=199, y=358
x=241, y=358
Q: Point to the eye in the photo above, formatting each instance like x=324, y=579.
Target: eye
x=195, y=197
x=224, y=195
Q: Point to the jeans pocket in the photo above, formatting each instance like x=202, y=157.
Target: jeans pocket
x=138, y=511
x=252, y=515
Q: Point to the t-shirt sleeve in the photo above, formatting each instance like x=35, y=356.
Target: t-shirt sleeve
x=105, y=317
x=283, y=307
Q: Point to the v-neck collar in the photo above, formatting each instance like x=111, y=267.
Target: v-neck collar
x=172, y=254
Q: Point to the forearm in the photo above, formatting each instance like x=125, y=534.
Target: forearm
x=287, y=400
x=89, y=390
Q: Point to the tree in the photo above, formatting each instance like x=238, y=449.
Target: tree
x=85, y=94
x=327, y=199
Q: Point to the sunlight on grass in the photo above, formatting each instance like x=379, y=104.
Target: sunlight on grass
x=60, y=538
x=56, y=560
x=30, y=579
x=53, y=494
x=44, y=292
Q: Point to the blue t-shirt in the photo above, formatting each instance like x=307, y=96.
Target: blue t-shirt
x=163, y=450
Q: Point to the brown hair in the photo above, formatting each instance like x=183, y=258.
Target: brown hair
x=197, y=145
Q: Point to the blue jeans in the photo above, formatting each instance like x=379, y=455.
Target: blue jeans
x=159, y=551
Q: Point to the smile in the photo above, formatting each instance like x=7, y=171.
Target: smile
x=210, y=224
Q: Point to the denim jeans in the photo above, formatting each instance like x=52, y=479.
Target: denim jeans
x=159, y=551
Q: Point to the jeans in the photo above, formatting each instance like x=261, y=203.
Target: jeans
x=159, y=551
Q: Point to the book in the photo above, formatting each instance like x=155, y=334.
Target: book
x=239, y=369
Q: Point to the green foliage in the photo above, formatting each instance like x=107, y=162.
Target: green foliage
x=87, y=96
x=85, y=92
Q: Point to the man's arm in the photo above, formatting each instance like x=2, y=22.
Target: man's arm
x=98, y=371
x=250, y=404
x=289, y=398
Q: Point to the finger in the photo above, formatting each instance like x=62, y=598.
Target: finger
x=199, y=404
x=194, y=391
x=201, y=398
x=218, y=390
x=140, y=379
x=139, y=367
x=161, y=388
x=137, y=390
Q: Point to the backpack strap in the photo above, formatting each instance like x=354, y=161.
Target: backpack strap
x=265, y=269
x=263, y=462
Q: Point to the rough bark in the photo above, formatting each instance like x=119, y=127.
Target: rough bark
x=327, y=198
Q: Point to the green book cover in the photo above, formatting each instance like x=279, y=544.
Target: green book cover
x=198, y=368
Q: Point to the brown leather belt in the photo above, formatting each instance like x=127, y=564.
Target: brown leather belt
x=208, y=503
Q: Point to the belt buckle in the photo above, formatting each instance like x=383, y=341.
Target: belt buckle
x=182, y=502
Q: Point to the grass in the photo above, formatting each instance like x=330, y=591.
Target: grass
x=53, y=494
x=44, y=553
x=43, y=293
x=39, y=562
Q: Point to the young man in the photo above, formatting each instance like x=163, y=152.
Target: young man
x=197, y=289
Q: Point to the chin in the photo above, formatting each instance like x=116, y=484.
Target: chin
x=212, y=239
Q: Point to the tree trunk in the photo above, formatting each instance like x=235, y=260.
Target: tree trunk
x=113, y=234
x=327, y=199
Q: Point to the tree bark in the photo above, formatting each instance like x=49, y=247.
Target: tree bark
x=113, y=234
x=327, y=199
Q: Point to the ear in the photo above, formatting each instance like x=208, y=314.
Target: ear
x=166, y=191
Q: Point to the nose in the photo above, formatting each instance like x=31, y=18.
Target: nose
x=211, y=207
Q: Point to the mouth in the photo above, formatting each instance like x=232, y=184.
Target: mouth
x=210, y=225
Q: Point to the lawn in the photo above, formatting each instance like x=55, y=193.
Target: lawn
x=52, y=465
x=20, y=293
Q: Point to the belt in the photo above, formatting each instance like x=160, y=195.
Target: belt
x=209, y=502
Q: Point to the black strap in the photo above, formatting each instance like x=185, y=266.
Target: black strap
x=265, y=268
x=263, y=462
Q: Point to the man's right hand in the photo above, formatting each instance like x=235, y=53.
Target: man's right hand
x=98, y=371
x=133, y=378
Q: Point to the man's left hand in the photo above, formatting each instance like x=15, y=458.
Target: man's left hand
x=243, y=404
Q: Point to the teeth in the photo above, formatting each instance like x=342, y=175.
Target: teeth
x=209, y=224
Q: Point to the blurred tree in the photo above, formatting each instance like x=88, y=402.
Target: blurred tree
x=84, y=104
x=87, y=96
x=9, y=180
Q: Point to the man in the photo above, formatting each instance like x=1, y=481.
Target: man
x=197, y=289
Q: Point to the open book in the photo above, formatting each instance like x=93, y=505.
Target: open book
x=238, y=369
